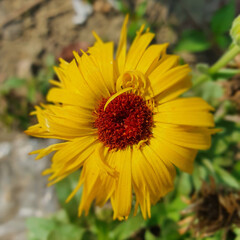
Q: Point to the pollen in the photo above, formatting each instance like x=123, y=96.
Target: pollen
x=126, y=121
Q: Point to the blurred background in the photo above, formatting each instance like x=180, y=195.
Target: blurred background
x=34, y=34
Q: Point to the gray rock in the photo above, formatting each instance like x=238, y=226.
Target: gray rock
x=23, y=190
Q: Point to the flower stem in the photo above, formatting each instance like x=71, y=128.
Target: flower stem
x=226, y=58
x=201, y=79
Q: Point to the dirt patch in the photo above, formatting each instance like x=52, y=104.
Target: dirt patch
x=46, y=27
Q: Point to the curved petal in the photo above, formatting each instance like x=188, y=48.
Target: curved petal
x=45, y=151
x=185, y=111
x=190, y=137
x=160, y=83
x=185, y=104
x=92, y=75
x=152, y=177
x=150, y=58
x=71, y=157
x=96, y=172
x=181, y=157
x=71, y=79
x=137, y=49
x=174, y=91
x=102, y=54
x=60, y=127
x=122, y=197
x=58, y=95
x=166, y=63
x=162, y=166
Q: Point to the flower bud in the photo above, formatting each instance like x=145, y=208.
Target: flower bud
x=235, y=31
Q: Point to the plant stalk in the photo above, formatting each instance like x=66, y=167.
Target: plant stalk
x=225, y=59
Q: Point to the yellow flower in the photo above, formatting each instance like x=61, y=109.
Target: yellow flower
x=122, y=123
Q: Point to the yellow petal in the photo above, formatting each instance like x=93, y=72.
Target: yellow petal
x=71, y=156
x=201, y=119
x=122, y=47
x=168, y=62
x=174, y=91
x=64, y=127
x=137, y=50
x=45, y=151
x=152, y=178
x=185, y=104
x=92, y=75
x=190, y=137
x=161, y=83
x=103, y=57
x=163, y=168
x=95, y=171
x=58, y=95
x=181, y=157
x=123, y=191
x=150, y=56
x=185, y=111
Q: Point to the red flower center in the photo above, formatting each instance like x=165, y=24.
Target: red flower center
x=126, y=121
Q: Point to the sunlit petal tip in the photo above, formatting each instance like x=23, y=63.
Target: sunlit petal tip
x=97, y=37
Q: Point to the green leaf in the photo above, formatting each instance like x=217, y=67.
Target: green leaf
x=150, y=236
x=210, y=91
x=169, y=230
x=192, y=41
x=31, y=94
x=199, y=174
x=236, y=230
x=141, y=9
x=185, y=185
x=221, y=146
x=127, y=228
x=209, y=166
x=67, y=232
x=222, y=20
x=40, y=228
x=64, y=189
x=223, y=41
x=61, y=217
x=12, y=83
x=202, y=68
x=226, y=177
x=50, y=61
x=173, y=208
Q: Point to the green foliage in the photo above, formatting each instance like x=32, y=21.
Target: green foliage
x=192, y=41
x=223, y=18
x=12, y=83
x=57, y=227
x=64, y=189
x=136, y=12
x=202, y=40
x=22, y=94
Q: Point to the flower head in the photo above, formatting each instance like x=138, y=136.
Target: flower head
x=122, y=121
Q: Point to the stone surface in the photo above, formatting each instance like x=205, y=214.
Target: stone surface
x=23, y=190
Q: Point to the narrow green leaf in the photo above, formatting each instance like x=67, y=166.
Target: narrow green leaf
x=226, y=177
